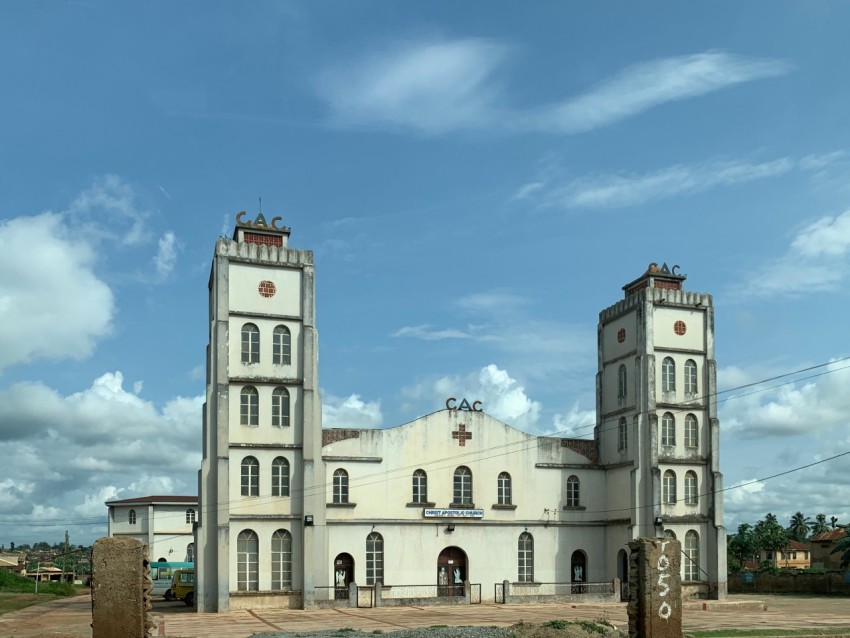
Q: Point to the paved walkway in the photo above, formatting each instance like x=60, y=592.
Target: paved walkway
x=70, y=618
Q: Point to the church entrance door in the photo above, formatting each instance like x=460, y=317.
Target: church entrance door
x=451, y=572
x=343, y=575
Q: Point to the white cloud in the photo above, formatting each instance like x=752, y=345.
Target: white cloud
x=108, y=210
x=52, y=304
x=166, y=256
x=425, y=333
x=575, y=423
x=439, y=85
x=350, y=412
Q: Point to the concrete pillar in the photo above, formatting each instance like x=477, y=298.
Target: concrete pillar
x=378, y=595
x=655, y=588
x=120, y=588
x=352, y=594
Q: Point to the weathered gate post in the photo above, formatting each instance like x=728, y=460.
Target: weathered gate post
x=655, y=588
x=120, y=588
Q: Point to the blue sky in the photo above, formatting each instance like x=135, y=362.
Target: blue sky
x=477, y=181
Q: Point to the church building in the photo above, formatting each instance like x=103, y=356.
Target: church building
x=292, y=514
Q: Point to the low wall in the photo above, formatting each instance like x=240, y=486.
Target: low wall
x=264, y=600
x=831, y=583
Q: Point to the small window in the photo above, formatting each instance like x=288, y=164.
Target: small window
x=131, y=517
x=280, y=407
x=504, y=489
x=691, y=431
x=573, y=492
x=463, y=486
x=669, y=533
x=668, y=488
x=340, y=488
x=249, y=407
x=525, y=558
x=374, y=558
x=250, y=343
x=190, y=553
x=668, y=429
x=282, y=346
x=420, y=487
x=280, y=477
x=668, y=375
x=622, y=435
x=281, y=560
x=690, y=377
x=190, y=515
x=250, y=476
x=621, y=382
x=247, y=561
x=691, y=494
x=691, y=557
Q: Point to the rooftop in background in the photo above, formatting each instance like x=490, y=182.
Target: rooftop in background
x=831, y=535
x=145, y=500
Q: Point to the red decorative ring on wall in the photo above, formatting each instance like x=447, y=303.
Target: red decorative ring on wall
x=267, y=288
x=621, y=335
x=680, y=328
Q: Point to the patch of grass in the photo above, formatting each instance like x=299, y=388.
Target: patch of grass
x=13, y=601
x=556, y=624
x=438, y=626
x=377, y=631
x=735, y=633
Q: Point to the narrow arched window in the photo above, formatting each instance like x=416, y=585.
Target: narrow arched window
x=621, y=382
x=668, y=429
x=690, y=377
x=131, y=517
x=250, y=343
x=249, y=406
x=691, y=431
x=250, y=476
x=247, y=561
x=374, y=558
x=340, y=488
x=691, y=557
x=190, y=515
x=525, y=558
x=281, y=346
x=462, y=486
x=281, y=560
x=573, y=492
x=691, y=487
x=190, y=553
x=669, y=533
x=668, y=375
x=280, y=477
x=668, y=488
x=420, y=487
x=503, y=488
x=622, y=435
x=280, y=407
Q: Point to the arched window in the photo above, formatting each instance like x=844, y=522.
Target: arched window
x=374, y=558
x=691, y=493
x=525, y=558
x=669, y=533
x=280, y=407
x=247, y=561
x=190, y=553
x=281, y=346
x=462, y=486
x=281, y=560
x=621, y=382
x=690, y=377
x=691, y=431
x=622, y=435
x=131, y=517
x=280, y=477
x=573, y=492
x=340, y=493
x=691, y=557
x=250, y=476
x=249, y=406
x=504, y=488
x=668, y=429
x=668, y=488
x=250, y=343
x=668, y=375
x=420, y=487
x=190, y=515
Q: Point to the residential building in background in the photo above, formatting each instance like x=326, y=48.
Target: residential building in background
x=163, y=522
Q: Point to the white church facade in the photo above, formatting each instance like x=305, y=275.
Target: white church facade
x=292, y=514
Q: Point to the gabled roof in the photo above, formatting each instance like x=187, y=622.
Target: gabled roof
x=147, y=500
x=798, y=546
x=831, y=535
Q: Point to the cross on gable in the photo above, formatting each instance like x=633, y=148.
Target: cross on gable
x=461, y=435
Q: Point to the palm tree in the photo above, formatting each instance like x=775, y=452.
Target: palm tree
x=843, y=545
x=798, y=527
x=819, y=526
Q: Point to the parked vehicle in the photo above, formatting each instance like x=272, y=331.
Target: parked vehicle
x=183, y=586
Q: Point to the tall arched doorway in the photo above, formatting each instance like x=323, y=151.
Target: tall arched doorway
x=343, y=575
x=623, y=573
x=578, y=571
x=452, y=571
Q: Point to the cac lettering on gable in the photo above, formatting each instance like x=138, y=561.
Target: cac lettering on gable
x=464, y=405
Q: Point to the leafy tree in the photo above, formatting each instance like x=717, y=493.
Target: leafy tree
x=843, y=545
x=798, y=527
x=744, y=544
x=819, y=526
x=771, y=536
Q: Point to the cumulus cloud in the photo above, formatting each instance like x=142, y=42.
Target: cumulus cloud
x=166, y=256
x=52, y=304
x=439, y=85
x=108, y=210
x=350, y=412
x=575, y=423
